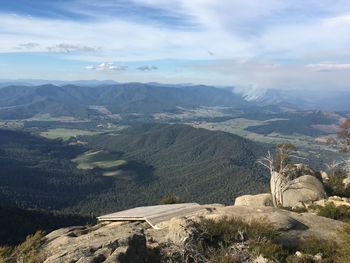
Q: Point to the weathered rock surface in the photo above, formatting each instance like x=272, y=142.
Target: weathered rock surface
x=179, y=229
x=114, y=242
x=292, y=225
x=254, y=200
x=306, y=188
x=133, y=241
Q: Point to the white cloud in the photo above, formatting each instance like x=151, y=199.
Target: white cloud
x=107, y=66
x=121, y=39
x=253, y=43
x=229, y=29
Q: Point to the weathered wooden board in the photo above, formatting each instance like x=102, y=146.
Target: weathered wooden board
x=153, y=214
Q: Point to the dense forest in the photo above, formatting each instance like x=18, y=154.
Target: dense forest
x=196, y=164
x=38, y=173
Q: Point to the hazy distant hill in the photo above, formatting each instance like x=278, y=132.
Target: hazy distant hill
x=20, y=102
x=38, y=82
x=305, y=99
x=197, y=164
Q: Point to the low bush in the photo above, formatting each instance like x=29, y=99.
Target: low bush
x=236, y=230
x=313, y=246
x=270, y=249
x=335, y=186
x=224, y=256
x=259, y=237
x=332, y=211
x=170, y=199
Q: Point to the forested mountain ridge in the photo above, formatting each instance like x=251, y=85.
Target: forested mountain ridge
x=197, y=164
x=20, y=102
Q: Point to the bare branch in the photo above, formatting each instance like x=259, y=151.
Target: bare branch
x=267, y=161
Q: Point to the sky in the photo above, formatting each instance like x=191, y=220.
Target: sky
x=249, y=44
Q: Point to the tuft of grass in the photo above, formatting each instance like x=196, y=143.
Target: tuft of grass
x=27, y=252
x=5, y=252
x=343, y=252
x=259, y=236
x=236, y=230
x=271, y=250
x=313, y=245
x=224, y=255
x=332, y=211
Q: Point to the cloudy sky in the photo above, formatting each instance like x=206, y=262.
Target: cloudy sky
x=245, y=43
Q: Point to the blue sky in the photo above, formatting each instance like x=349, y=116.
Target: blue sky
x=244, y=43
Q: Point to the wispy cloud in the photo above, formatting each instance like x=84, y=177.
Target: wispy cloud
x=107, y=66
x=67, y=48
x=328, y=66
x=26, y=46
x=147, y=68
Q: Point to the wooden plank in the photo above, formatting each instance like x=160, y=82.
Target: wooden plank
x=153, y=214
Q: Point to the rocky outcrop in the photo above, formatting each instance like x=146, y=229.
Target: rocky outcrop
x=296, y=185
x=137, y=242
x=292, y=225
x=302, y=190
x=115, y=242
x=254, y=200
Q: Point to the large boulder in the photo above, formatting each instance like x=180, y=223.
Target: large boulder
x=304, y=189
x=254, y=200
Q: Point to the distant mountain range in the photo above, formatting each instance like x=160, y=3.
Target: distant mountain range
x=38, y=82
x=21, y=102
x=80, y=100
